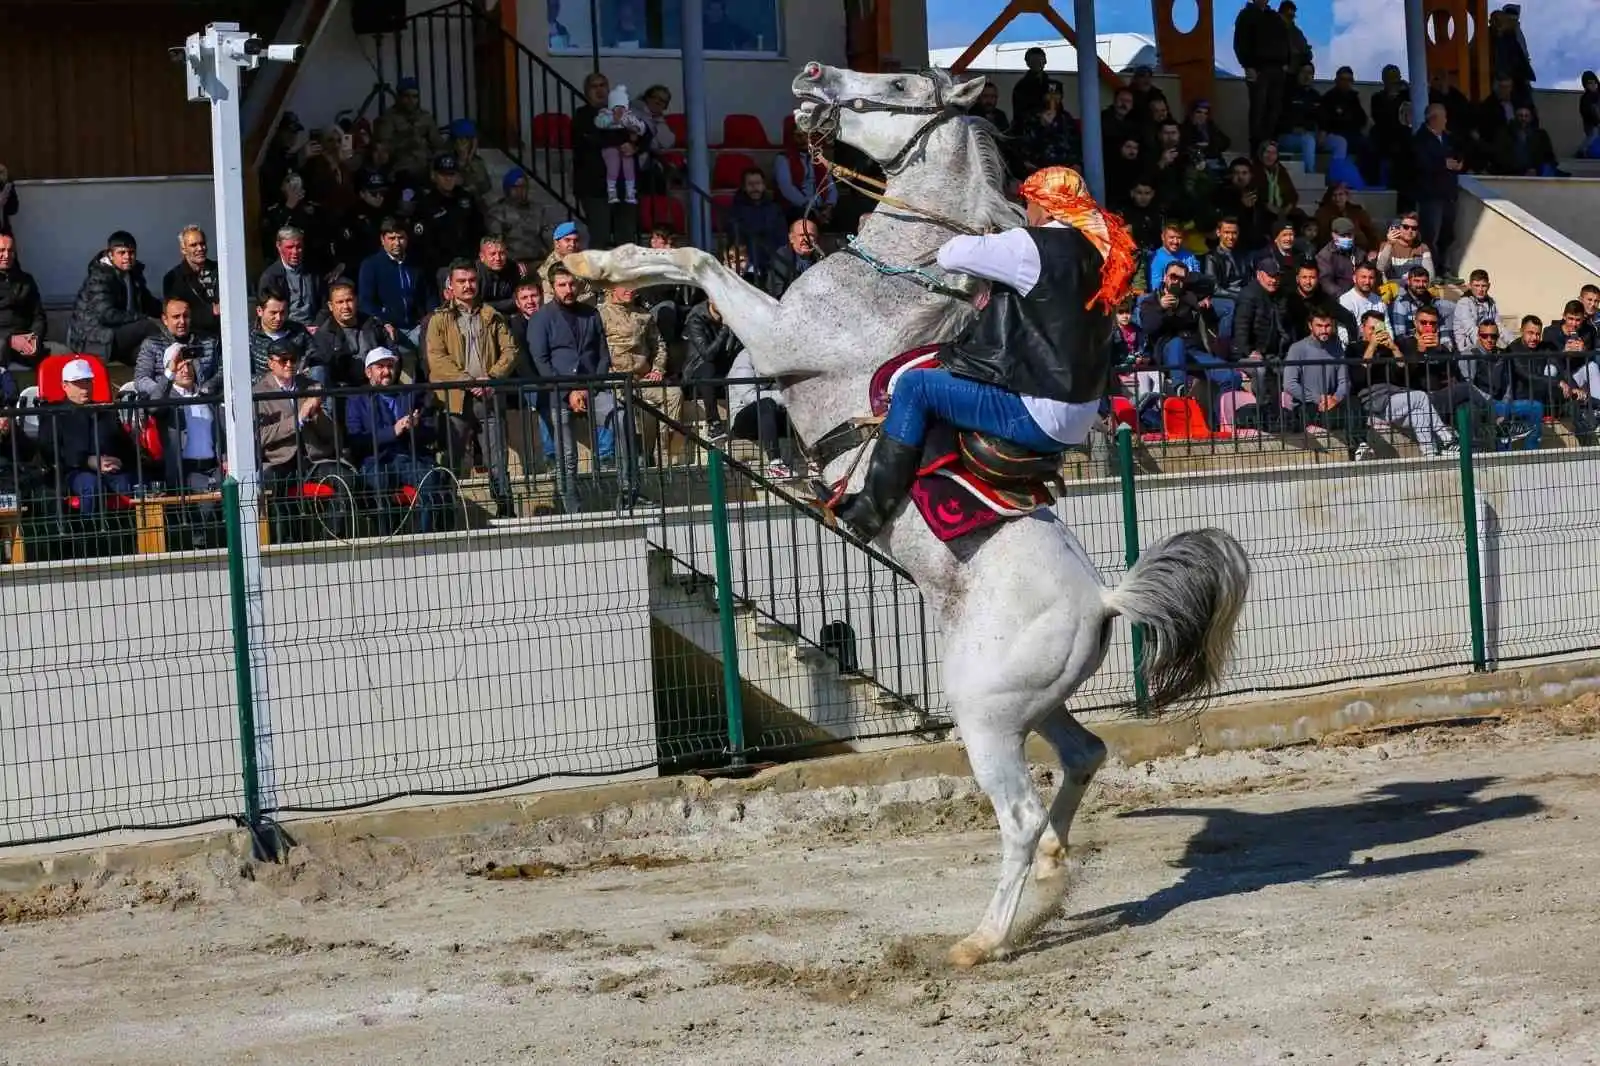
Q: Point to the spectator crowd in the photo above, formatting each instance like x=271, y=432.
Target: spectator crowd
x=401, y=277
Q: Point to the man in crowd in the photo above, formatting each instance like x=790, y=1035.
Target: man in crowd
x=1027, y=95
x=22, y=318
x=194, y=281
x=1489, y=371
x=1338, y=259
x=1179, y=326
x=412, y=134
x=1172, y=251
x=91, y=450
x=273, y=329
x=1363, y=295
x=307, y=291
x=394, y=288
x=320, y=235
x=1258, y=319
x=517, y=219
x=1431, y=349
x=1473, y=311
x=1414, y=297
x=1589, y=297
x=391, y=435
x=1439, y=164
x=713, y=346
x=667, y=304
x=1241, y=201
x=1523, y=149
x=344, y=337
x=1305, y=300
x=567, y=242
x=202, y=356
x=497, y=275
x=756, y=221
x=448, y=222
x=1118, y=123
x=295, y=434
x=1549, y=371
x=193, y=435
x=361, y=234
x=470, y=341
x=609, y=223
x=638, y=350
x=566, y=339
x=1261, y=45
x=1229, y=270
x=1384, y=385
x=1574, y=333
x=115, y=310
x=794, y=258
x=1319, y=384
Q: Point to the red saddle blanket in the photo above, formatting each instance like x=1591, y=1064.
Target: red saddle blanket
x=950, y=497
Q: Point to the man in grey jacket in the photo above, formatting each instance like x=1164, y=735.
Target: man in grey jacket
x=1316, y=377
x=151, y=374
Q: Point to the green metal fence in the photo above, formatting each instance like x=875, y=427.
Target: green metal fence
x=697, y=617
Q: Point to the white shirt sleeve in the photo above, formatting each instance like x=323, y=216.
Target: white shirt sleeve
x=1010, y=258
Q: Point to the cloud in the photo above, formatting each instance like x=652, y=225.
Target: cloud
x=1563, y=37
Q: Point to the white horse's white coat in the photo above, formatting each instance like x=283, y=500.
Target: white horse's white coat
x=1026, y=619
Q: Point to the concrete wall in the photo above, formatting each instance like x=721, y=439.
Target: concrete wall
x=1565, y=205
x=1535, y=264
x=63, y=224
x=423, y=665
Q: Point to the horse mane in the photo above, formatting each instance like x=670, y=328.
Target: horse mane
x=993, y=210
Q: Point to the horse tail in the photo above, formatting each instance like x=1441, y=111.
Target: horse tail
x=1187, y=593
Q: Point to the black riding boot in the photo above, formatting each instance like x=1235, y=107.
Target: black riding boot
x=889, y=475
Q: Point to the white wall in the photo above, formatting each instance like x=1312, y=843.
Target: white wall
x=64, y=224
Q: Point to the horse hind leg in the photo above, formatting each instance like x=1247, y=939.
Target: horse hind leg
x=1002, y=772
x=1081, y=754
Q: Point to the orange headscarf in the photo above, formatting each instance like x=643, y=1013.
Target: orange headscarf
x=1061, y=192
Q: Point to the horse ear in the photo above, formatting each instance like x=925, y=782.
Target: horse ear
x=941, y=77
x=966, y=94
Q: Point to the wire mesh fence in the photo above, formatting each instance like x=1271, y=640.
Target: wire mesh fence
x=470, y=586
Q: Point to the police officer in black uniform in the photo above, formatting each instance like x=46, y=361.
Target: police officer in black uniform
x=359, y=234
x=448, y=221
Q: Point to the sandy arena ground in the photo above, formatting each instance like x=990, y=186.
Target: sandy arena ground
x=1414, y=897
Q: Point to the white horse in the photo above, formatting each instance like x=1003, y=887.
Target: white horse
x=1025, y=619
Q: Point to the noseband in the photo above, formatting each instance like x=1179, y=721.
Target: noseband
x=939, y=112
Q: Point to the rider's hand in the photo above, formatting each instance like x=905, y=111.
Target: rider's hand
x=1168, y=301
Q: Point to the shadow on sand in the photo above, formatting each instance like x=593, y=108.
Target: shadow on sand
x=1239, y=851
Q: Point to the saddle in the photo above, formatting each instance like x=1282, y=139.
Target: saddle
x=968, y=481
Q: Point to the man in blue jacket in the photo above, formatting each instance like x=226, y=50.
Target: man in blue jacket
x=395, y=289
x=393, y=434
x=565, y=339
x=1439, y=163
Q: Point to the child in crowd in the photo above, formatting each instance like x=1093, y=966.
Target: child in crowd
x=622, y=124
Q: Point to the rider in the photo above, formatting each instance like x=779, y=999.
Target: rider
x=1032, y=367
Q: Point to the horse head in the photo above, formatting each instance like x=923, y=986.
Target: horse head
x=884, y=115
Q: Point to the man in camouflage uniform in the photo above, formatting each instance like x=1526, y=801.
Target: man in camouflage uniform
x=474, y=172
x=517, y=220
x=448, y=222
x=638, y=350
x=566, y=243
x=411, y=134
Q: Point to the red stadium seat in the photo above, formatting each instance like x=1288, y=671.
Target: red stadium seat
x=552, y=130
x=309, y=490
x=728, y=171
x=663, y=210
x=406, y=497
x=744, y=131
x=114, y=501
x=678, y=123
x=48, y=379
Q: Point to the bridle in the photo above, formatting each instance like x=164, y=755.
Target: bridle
x=939, y=112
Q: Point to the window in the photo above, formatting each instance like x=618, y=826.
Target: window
x=748, y=26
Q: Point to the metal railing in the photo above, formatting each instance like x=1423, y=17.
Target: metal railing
x=689, y=612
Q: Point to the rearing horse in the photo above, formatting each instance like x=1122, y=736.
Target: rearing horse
x=1026, y=618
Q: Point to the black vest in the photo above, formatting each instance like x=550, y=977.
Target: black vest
x=1046, y=343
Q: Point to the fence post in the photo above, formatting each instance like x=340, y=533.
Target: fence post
x=263, y=835
x=732, y=689
x=1469, y=523
x=1130, y=540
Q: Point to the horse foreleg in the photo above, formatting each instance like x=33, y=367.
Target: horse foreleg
x=1081, y=754
x=748, y=311
x=1002, y=771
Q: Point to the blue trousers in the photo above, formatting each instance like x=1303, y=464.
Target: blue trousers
x=384, y=478
x=1529, y=411
x=920, y=396
x=1176, y=356
x=91, y=488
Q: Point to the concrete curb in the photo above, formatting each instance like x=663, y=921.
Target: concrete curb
x=1271, y=723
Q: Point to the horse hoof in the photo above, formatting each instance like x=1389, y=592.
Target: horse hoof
x=965, y=955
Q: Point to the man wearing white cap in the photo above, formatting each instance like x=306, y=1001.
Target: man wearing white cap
x=391, y=434
x=92, y=452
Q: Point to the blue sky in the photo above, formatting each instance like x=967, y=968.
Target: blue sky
x=1563, y=35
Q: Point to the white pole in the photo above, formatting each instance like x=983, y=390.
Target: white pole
x=214, y=59
x=1417, y=61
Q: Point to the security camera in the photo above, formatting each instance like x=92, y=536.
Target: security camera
x=285, y=53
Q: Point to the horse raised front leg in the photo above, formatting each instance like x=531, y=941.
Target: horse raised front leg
x=748, y=311
x=1081, y=754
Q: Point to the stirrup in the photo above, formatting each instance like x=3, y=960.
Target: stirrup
x=867, y=421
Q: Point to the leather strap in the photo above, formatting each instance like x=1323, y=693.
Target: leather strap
x=840, y=440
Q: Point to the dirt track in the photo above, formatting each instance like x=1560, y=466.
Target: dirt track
x=1428, y=897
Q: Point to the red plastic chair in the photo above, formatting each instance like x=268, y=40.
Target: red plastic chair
x=48, y=378
x=309, y=490
x=720, y=203
x=663, y=210
x=678, y=123
x=552, y=129
x=728, y=172
x=406, y=497
x=115, y=501
x=1182, y=419
x=744, y=131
